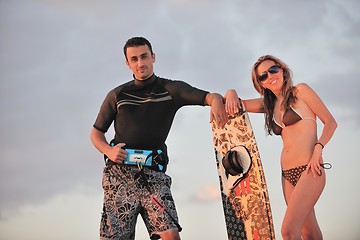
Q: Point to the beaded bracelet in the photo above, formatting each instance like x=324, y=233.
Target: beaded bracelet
x=322, y=146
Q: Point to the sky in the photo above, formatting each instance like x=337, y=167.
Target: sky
x=59, y=58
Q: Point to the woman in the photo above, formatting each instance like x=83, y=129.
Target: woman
x=291, y=111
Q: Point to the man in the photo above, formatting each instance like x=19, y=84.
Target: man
x=142, y=110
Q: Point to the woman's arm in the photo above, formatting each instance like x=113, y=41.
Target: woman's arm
x=232, y=103
x=316, y=105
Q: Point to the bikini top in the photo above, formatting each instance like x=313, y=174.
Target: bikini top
x=290, y=117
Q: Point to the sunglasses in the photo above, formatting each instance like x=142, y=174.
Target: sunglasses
x=264, y=75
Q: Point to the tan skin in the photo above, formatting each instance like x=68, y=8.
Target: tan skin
x=140, y=60
x=299, y=148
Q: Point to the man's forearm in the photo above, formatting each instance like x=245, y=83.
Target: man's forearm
x=99, y=141
x=210, y=97
x=217, y=111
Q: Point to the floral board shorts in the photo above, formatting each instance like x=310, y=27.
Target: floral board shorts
x=125, y=198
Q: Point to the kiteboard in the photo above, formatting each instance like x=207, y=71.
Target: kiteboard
x=243, y=187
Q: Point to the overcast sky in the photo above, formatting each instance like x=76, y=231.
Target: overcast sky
x=59, y=58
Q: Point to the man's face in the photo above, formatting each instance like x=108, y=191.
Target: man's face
x=140, y=61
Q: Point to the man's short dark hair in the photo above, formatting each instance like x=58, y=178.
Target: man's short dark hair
x=135, y=42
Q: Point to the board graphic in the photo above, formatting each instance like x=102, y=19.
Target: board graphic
x=245, y=196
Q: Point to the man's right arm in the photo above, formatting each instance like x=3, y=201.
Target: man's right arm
x=114, y=153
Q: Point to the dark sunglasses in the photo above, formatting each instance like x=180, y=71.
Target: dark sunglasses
x=264, y=75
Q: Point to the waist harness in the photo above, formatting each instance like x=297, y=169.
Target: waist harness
x=155, y=160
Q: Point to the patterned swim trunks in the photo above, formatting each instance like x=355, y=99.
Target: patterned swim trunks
x=126, y=198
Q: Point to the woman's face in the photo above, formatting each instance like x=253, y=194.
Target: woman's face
x=270, y=76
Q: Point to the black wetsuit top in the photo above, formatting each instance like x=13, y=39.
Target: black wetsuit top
x=143, y=111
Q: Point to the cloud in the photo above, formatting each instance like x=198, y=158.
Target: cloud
x=207, y=193
x=58, y=59
x=58, y=216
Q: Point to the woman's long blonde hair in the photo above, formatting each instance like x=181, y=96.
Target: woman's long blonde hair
x=269, y=97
